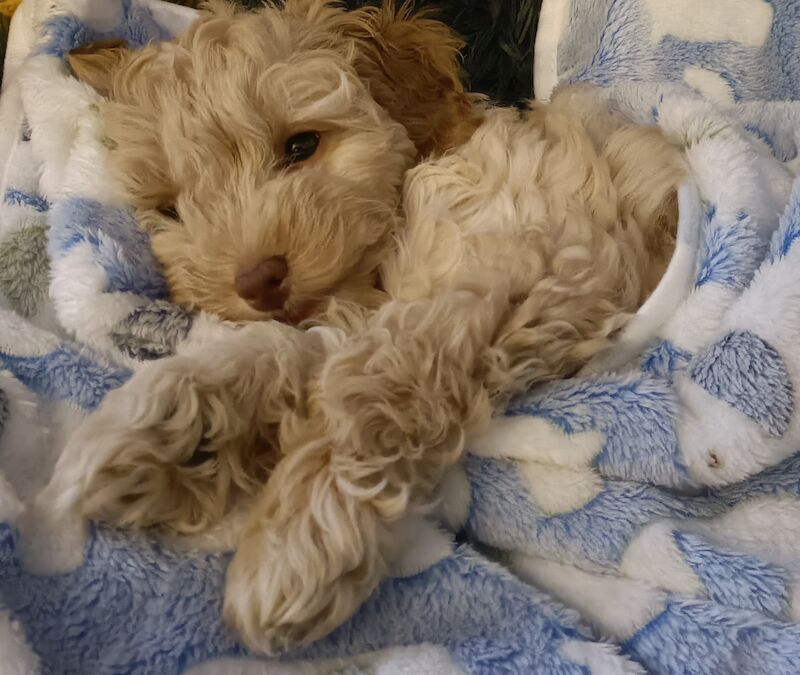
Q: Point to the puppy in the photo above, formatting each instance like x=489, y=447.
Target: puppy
x=317, y=166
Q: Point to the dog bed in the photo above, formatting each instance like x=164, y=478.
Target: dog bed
x=645, y=513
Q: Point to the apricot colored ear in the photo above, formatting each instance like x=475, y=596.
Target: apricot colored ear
x=95, y=63
x=412, y=65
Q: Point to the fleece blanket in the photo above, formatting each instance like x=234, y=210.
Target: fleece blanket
x=642, y=517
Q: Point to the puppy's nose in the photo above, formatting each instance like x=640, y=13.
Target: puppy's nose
x=262, y=284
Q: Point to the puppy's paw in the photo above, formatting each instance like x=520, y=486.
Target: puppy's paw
x=307, y=559
x=168, y=448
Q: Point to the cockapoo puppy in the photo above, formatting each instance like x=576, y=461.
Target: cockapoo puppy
x=313, y=165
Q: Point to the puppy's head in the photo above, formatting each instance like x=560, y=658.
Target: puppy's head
x=265, y=152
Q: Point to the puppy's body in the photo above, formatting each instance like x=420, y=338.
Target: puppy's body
x=568, y=208
x=508, y=258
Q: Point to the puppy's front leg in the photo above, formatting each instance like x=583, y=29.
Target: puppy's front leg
x=388, y=414
x=186, y=434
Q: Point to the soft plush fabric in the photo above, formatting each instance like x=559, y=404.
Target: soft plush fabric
x=732, y=50
x=646, y=513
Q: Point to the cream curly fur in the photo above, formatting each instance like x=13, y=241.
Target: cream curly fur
x=454, y=254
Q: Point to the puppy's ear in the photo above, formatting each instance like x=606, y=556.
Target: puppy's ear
x=411, y=63
x=96, y=62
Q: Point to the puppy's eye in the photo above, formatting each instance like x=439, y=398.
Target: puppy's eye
x=169, y=211
x=301, y=147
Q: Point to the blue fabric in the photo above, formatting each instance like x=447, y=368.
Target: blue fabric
x=704, y=638
x=137, y=28
x=731, y=252
x=625, y=410
x=624, y=52
x=118, y=245
x=767, y=586
x=19, y=197
x=134, y=606
x=69, y=372
x=747, y=373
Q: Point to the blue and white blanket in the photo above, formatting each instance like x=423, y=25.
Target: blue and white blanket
x=643, y=517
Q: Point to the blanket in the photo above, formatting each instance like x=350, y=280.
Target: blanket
x=641, y=517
